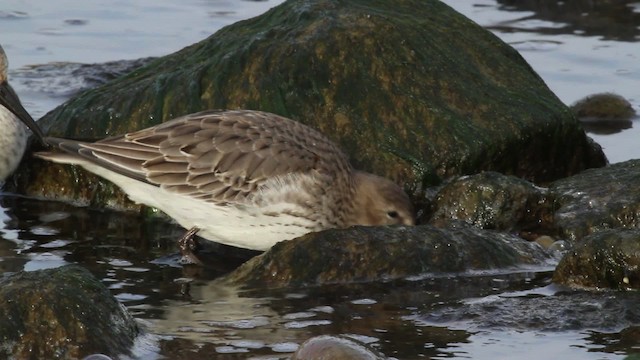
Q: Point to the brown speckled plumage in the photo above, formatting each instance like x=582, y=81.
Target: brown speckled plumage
x=253, y=164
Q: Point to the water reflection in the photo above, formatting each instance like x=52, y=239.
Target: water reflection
x=604, y=127
x=611, y=20
x=195, y=314
x=10, y=245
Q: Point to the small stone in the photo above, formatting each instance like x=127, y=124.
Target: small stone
x=335, y=348
x=545, y=241
x=603, y=106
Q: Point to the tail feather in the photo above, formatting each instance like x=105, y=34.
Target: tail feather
x=76, y=153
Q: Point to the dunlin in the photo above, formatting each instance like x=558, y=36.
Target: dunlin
x=13, y=118
x=244, y=178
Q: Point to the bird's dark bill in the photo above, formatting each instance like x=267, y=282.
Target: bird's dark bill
x=9, y=99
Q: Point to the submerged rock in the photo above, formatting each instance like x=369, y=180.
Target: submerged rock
x=363, y=254
x=62, y=313
x=607, y=259
x=540, y=309
x=391, y=82
x=332, y=347
x=603, y=106
x=604, y=113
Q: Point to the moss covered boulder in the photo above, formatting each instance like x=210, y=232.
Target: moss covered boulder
x=63, y=313
x=365, y=254
x=410, y=89
x=597, y=199
x=491, y=200
x=608, y=259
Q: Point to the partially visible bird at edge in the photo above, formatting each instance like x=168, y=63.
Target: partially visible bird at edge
x=14, y=121
x=239, y=177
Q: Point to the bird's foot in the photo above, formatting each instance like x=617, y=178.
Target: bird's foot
x=187, y=245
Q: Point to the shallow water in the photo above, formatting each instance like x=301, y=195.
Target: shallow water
x=578, y=47
x=188, y=314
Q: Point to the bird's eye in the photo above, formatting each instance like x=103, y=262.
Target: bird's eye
x=392, y=214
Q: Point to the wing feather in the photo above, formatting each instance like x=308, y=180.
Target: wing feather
x=218, y=156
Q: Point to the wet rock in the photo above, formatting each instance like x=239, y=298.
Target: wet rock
x=603, y=106
x=617, y=343
x=331, y=347
x=62, y=313
x=363, y=254
x=389, y=81
x=540, y=310
x=607, y=259
x=604, y=113
x=494, y=201
x=598, y=199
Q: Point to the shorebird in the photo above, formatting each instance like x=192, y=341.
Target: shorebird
x=240, y=177
x=13, y=118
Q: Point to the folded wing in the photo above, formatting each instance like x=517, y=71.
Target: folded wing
x=216, y=156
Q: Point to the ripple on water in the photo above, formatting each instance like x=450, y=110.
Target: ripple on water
x=45, y=260
x=284, y=347
x=56, y=244
x=13, y=15
x=119, y=262
x=230, y=349
x=126, y=297
x=536, y=45
x=195, y=329
x=249, y=344
x=295, y=296
x=363, y=338
x=299, y=315
x=76, y=22
x=364, y=302
x=305, y=324
x=324, y=309
x=53, y=216
x=252, y=323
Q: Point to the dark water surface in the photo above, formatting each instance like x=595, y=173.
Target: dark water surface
x=578, y=47
x=188, y=313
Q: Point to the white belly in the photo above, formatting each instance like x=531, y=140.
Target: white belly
x=241, y=226
x=13, y=142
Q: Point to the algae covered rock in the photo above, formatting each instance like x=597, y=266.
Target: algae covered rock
x=62, y=313
x=364, y=254
x=603, y=106
x=598, y=199
x=607, y=259
x=571, y=208
x=490, y=200
x=410, y=89
x=604, y=113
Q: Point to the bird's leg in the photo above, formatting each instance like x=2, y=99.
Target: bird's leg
x=187, y=245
